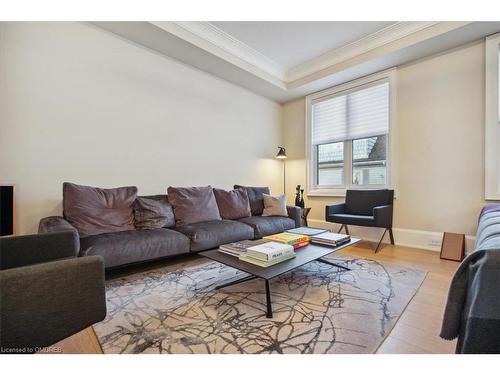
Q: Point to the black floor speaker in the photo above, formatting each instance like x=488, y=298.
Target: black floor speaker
x=6, y=210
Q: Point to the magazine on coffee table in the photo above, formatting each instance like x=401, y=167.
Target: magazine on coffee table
x=330, y=239
x=307, y=231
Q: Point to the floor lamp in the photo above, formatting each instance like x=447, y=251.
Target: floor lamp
x=282, y=155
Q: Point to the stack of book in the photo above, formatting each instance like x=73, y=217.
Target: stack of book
x=330, y=239
x=268, y=254
x=240, y=247
x=292, y=239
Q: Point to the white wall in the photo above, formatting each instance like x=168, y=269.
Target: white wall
x=439, y=145
x=78, y=104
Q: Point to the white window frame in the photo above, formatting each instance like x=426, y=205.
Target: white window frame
x=312, y=189
x=492, y=120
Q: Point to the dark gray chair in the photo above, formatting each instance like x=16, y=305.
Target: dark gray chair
x=367, y=208
x=46, y=292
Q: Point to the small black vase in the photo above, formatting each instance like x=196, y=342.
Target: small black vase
x=301, y=202
x=297, y=196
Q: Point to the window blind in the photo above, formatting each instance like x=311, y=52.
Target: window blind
x=358, y=114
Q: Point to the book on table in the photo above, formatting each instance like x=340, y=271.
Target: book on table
x=261, y=263
x=270, y=251
x=307, y=231
x=240, y=247
x=288, y=238
x=331, y=239
x=300, y=244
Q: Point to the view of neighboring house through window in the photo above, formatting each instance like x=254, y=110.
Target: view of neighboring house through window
x=331, y=164
x=369, y=161
x=349, y=137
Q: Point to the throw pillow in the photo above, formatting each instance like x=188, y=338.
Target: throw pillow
x=193, y=204
x=233, y=204
x=94, y=210
x=153, y=212
x=255, y=197
x=274, y=206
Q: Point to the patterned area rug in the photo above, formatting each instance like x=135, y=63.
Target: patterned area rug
x=317, y=309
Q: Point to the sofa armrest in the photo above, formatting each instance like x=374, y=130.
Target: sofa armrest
x=331, y=209
x=295, y=213
x=383, y=216
x=37, y=248
x=55, y=224
x=45, y=303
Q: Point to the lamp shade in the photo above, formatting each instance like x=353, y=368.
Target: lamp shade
x=281, y=153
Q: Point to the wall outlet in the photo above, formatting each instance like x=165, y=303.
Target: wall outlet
x=436, y=242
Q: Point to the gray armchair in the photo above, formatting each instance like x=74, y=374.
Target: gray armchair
x=46, y=292
x=368, y=208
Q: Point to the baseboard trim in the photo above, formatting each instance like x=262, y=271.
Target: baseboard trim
x=418, y=239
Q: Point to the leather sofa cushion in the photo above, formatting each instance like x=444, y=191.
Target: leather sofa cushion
x=232, y=204
x=211, y=234
x=94, y=210
x=255, y=197
x=133, y=246
x=266, y=225
x=153, y=212
x=193, y=204
x=363, y=220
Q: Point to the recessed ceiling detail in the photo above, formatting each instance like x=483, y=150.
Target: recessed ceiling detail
x=286, y=60
x=213, y=39
x=291, y=43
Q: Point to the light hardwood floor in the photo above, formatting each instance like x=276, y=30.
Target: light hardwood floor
x=417, y=330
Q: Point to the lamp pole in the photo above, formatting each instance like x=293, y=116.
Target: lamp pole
x=284, y=177
x=282, y=155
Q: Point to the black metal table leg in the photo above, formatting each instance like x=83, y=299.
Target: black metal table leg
x=268, y=301
x=332, y=264
x=234, y=282
x=269, y=313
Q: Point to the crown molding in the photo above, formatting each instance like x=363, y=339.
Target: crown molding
x=216, y=41
x=380, y=38
x=390, y=47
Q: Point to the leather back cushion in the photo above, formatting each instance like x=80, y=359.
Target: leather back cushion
x=153, y=212
x=233, y=204
x=255, y=197
x=362, y=202
x=94, y=210
x=193, y=204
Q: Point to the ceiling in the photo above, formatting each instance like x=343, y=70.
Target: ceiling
x=287, y=60
x=293, y=43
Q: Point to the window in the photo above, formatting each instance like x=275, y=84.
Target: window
x=348, y=137
x=369, y=161
x=492, y=118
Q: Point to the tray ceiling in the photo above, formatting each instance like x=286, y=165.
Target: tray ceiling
x=287, y=60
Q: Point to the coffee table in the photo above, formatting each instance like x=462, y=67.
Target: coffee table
x=304, y=255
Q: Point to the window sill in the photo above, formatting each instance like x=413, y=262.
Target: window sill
x=326, y=193
x=341, y=192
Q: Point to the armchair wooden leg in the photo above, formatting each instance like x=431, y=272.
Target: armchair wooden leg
x=391, y=236
x=340, y=229
x=380, y=242
x=346, y=229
